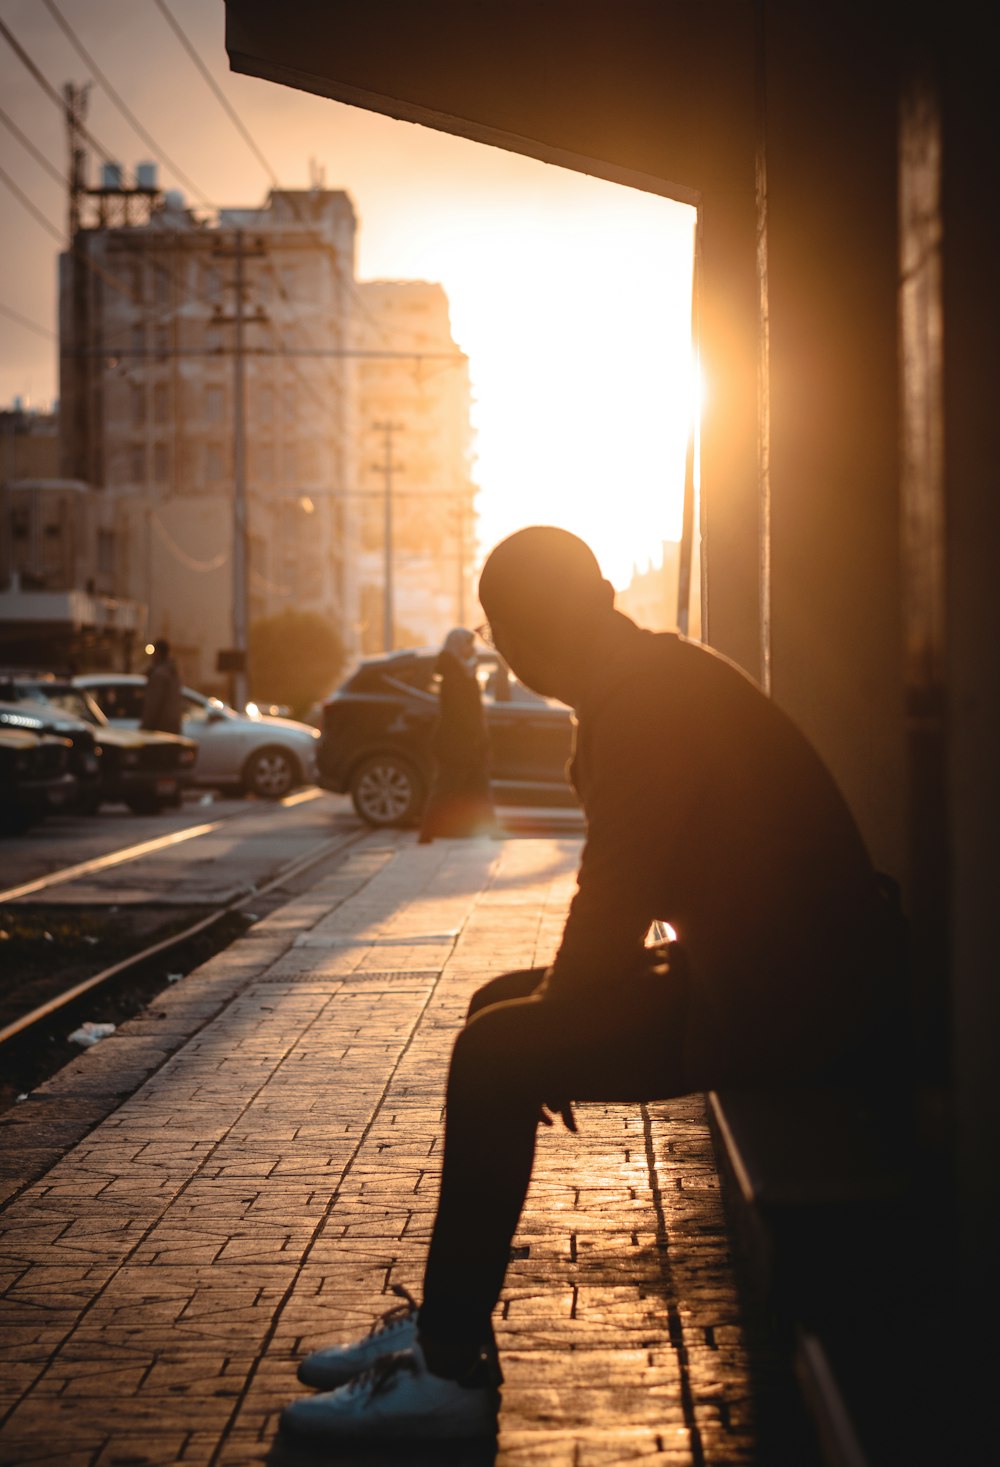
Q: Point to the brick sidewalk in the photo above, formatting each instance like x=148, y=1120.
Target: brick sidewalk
x=261, y=1191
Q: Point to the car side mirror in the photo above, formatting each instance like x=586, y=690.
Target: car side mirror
x=215, y=715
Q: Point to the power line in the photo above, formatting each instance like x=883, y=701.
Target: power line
x=121, y=104
x=32, y=209
x=27, y=323
x=47, y=86
x=245, y=134
x=38, y=156
x=221, y=97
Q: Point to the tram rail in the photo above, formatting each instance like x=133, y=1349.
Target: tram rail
x=20, y=1029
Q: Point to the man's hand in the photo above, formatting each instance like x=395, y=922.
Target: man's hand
x=563, y=1108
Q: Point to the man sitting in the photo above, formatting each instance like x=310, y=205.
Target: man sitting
x=706, y=808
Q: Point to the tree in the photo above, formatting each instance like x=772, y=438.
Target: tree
x=296, y=658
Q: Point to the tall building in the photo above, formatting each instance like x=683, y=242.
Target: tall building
x=167, y=320
x=58, y=606
x=415, y=471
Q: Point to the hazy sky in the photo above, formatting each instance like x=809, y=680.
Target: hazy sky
x=570, y=295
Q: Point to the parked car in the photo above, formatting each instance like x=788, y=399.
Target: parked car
x=253, y=752
x=377, y=727
x=138, y=768
x=84, y=754
x=34, y=775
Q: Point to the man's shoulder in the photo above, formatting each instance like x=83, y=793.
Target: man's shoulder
x=632, y=662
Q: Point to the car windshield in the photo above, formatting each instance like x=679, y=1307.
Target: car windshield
x=199, y=709
x=72, y=701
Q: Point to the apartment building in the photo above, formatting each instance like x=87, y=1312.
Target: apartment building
x=57, y=602
x=415, y=471
x=165, y=324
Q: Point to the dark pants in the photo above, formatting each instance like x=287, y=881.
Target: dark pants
x=516, y=1052
x=460, y=803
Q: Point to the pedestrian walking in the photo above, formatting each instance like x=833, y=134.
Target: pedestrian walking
x=459, y=803
x=161, y=704
x=706, y=808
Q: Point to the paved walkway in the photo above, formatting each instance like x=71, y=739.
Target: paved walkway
x=260, y=1191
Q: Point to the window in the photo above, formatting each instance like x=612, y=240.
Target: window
x=137, y=464
x=161, y=469
x=262, y=457
x=193, y=712
x=212, y=283
x=105, y=553
x=214, y=463
x=214, y=404
x=161, y=402
x=121, y=700
x=138, y=395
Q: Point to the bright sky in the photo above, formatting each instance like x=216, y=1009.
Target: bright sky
x=570, y=295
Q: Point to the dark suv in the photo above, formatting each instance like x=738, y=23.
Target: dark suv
x=376, y=734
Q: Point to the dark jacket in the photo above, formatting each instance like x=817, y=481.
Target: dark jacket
x=460, y=735
x=161, y=705
x=708, y=809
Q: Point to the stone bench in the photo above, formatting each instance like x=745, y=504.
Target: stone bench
x=819, y=1188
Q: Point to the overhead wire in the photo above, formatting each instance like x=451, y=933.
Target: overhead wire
x=36, y=153
x=251, y=143
x=26, y=322
x=122, y=106
x=32, y=208
x=182, y=292
x=49, y=89
x=217, y=91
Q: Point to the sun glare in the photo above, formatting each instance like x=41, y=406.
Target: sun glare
x=573, y=302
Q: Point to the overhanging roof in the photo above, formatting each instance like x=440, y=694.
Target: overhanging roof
x=658, y=94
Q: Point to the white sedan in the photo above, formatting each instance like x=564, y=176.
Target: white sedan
x=263, y=755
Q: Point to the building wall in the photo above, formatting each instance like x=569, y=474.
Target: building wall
x=427, y=402
x=149, y=388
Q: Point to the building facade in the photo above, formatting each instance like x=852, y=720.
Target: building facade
x=165, y=326
x=167, y=323
x=415, y=471
x=58, y=601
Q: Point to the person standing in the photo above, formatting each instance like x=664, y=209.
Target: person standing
x=460, y=803
x=161, y=706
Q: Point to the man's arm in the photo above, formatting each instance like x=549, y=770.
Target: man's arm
x=637, y=800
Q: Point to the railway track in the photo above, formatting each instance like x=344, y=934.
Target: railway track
x=34, y=1041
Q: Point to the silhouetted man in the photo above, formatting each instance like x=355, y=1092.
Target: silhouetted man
x=161, y=704
x=706, y=808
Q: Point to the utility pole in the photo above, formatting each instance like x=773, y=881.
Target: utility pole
x=239, y=662
x=388, y=467
x=77, y=379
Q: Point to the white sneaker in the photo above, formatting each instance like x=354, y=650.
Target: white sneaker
x=399, y=1398
x=337, y=1364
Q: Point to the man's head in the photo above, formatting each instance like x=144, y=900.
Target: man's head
x=161, y=649
x=545, y=598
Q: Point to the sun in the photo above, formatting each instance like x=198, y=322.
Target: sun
x=573, y=303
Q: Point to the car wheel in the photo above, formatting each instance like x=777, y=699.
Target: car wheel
x=386, y=790
x=270, y=773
